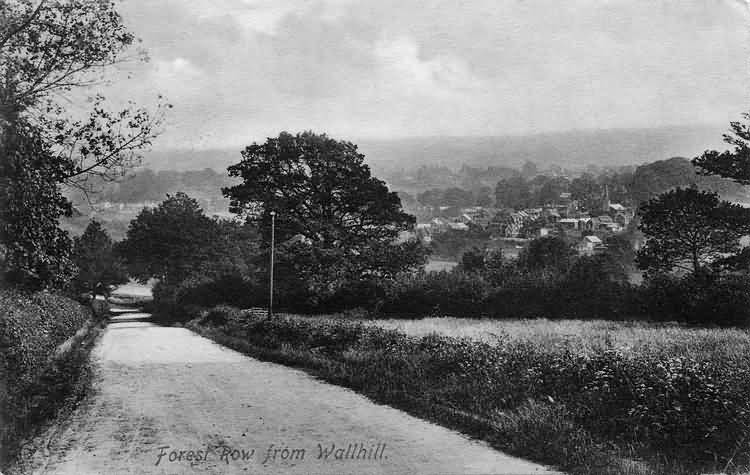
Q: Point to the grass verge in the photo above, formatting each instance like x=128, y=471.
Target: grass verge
x=599, y=412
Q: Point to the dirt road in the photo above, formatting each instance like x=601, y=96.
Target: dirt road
x=168, y=401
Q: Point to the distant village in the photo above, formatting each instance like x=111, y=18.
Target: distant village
x=565, y=216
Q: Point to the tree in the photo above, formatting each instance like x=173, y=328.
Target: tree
x=513, y=192
x=547, y=253
x=473, y=260
x=322, y=191
x=551, y=190
x=170, y=241
x=587, y=191
x=48, y=48
x=651, y=179
x=733, y=164
x=95, y=259
x=690, y=230
x=34, y=251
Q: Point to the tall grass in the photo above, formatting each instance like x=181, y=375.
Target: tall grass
x=583, y=335
x=625, y=402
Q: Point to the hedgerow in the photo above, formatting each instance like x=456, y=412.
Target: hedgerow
x=36, y=378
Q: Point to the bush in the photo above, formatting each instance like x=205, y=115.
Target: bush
x=437, y=293
x=231, y=289
x=183, y=301
x=703, y=299
x=32, y=327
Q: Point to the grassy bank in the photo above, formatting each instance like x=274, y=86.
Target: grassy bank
x=594, y=410
x=45, y=341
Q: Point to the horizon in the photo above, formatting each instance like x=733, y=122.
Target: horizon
x=239, y=71
x=356, y=140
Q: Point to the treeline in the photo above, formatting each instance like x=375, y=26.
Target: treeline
x=147, y=185
x=530, y=187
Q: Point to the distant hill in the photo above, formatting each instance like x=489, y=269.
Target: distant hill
x=571, y=149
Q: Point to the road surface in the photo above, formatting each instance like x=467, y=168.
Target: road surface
x=168, y=401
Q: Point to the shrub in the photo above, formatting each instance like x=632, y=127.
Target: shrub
x=437, y=293
x=32, y=327
x=703, y=299
x=230, y=289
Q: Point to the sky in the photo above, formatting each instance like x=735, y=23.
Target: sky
x=238, y=71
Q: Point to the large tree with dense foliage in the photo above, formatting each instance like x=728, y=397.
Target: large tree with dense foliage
x=690, y=230
x=548, y=253
x=97, y=265
x=47, y=49
x=34, y=251
x=346, y=221
x=170, y=241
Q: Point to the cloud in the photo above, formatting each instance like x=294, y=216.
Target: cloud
x=238, y=70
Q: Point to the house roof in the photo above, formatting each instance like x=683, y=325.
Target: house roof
x=592, y=239
x=458, y=226
x=617, y=207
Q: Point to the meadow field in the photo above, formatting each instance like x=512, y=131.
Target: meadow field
x=589, y=397
x=585, y=336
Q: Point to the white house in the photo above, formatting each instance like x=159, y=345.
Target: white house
x=589, y=245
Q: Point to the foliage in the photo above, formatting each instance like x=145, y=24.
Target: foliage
x=690, y=230
x=48, y=48
x=709, y=299
x=552, y=188
x=547, y=253
x=666, y=408
x=95, y=260
x=32, y=383
x=436, y=293
x=455, y=197
x=653, y=179
x=587, y=191
x=473, y=260
x=342, y=221
x=513, y=192
x=144, y=184
x=34, y=251
x=170, y=241
x=733, y=164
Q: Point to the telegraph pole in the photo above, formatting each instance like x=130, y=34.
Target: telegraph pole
x=270, y=299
